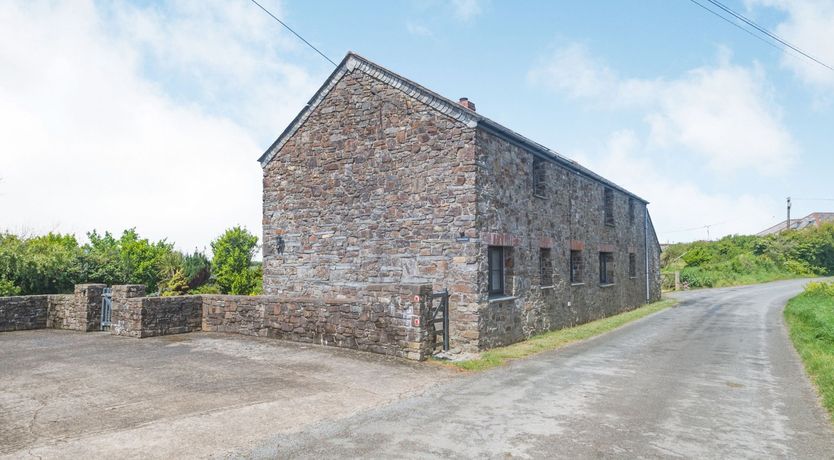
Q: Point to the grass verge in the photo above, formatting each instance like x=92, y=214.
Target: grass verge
x=810, y=318
x=557, y=339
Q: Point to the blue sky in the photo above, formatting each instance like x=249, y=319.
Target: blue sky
x=151, y=114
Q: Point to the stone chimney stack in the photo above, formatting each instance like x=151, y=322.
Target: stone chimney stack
x=467, y=103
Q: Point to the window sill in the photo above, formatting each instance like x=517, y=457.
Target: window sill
x=540, y=196
x=610, y=225
x=607, y=285
x=501, y=298
x=547, y=287
x=632, y=277
x=577, y=284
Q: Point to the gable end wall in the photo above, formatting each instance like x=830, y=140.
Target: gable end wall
x=375, y=187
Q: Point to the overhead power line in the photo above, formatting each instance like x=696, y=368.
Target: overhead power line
x=758, y=28
x=294, y=32
x=735, y=24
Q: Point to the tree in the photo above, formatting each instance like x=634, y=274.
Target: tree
x=197, y=268
x=129, y=259
x=232, y=262
x=45, y=264
x=176, y=285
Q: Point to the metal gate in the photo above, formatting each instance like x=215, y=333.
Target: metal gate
x=106, y=308
x=439, y=314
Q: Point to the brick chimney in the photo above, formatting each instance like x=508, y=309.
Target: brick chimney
x=467, y=103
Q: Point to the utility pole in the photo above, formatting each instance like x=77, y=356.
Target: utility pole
x=788, y=227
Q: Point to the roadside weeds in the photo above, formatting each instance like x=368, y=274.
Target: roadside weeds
x=810, y=320
x=554, y=340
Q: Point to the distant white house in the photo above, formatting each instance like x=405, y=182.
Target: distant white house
x=811, y=220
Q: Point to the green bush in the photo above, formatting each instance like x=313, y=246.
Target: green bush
x=820, y=289
x=8, y=288
x=740, y=259
x=54, y=263
x=232, y=265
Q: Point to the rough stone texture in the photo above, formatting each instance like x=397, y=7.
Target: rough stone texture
x=23, y=312
x=376, y=185
x=86, y=315
x=382, y=321
x=125, y=318
x=386, y=319
x=80, y=311
x=570, y=213
x=153, y=316
x=62, y=313
x=375, y=188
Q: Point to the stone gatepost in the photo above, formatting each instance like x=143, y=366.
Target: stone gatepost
x=87, y=308
x=122, y=313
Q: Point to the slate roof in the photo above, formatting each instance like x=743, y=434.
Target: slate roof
x=354, y=62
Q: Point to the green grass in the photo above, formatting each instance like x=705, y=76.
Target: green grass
x=558, y=339
x=810, y=318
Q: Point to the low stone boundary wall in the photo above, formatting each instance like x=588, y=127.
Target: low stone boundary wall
x=385, y=319
x=23, y=312
x=151, y=316
x=80, y=311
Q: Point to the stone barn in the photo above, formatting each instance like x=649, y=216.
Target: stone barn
x=380, y=180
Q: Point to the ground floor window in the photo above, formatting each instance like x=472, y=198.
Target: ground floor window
x=606, y=268
x=575, y=267
x=546, y=267
x=495, y=260
x=632, y=265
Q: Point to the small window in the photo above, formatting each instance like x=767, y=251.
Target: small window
x=539, y=178
x=606, y=268
x=632, y=265
x=608, y=205
x=575, y=267
x=546, y=267
x=630, y=210
x=496, y=270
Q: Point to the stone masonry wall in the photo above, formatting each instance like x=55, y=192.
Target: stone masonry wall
x=80, y=311
x=126, y=315
x=62, y=313
x=376, y=187
x=381, y=322
x=568, y=216
x=23, y=312
x=86, y=315
x=153, y=316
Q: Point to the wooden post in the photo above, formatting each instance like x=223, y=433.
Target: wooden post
x=677, y=281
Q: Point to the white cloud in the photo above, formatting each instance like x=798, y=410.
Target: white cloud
x=90, y=141
x=724, y=113
x=418, y=30
x=466, y=9
x=676, y=204
x=810, y=27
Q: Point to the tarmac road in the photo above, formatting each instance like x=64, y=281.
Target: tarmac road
x=715, y=377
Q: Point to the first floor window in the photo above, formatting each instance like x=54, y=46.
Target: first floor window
x=539, y=178
x=606, y=268
x=632, y=265
x=576, y=266
x=546, y=267
x=495, y=260
x=608, y=206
